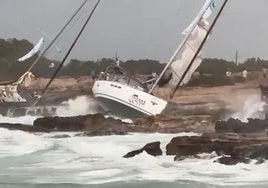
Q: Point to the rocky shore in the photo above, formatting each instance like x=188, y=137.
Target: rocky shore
x=198, y=111
x=233, y=141
x=97, y=122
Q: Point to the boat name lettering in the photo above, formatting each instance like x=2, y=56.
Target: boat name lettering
x=134, y=99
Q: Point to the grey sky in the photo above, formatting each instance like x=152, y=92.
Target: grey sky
x=139, y=29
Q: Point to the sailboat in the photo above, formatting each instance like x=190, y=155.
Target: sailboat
x=15, y=94
x=123, y=95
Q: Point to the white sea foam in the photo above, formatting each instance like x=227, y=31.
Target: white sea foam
x=23, y=120
x=95, y=160
x=16, y=143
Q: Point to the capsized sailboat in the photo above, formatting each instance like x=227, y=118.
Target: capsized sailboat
x=16, y=93
x=126, y=96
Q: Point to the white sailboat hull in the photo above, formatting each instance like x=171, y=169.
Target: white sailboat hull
x=125, y=101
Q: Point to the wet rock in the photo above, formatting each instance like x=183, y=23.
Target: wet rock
x=21, y=127
x=260, y=161
x=181, y=158
x=133, y=153
x=237, y=126
x=97, y=124
x=151, y=148
x=103, y=133
x=237, y=146
x=61, y=136
x=93, y=122
x=189, y=146
x=232, y=160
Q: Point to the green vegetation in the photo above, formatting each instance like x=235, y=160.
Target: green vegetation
x=211, y=71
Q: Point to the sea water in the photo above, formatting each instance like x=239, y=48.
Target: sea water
x=41, y=160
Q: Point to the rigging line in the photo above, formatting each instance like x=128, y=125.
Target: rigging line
x=55, y=38
x=177, y=51
x=73, y=24
x=69, y=51
x=199, y=49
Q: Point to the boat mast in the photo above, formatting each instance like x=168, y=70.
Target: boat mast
x=55, y=38
x=199, y=17
x=199, y=49
x=18, y=80
x=70, y=49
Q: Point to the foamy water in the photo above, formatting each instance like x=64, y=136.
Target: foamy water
x=30, y=160
x=96, y=160
x=79, y=106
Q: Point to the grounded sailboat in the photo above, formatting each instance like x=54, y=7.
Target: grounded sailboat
x=126, y=96
x=15, y=94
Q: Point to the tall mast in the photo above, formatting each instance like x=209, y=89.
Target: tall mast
x=198, y=18
x=18, y=80
x=56, y=37
x=199, y=49
x=70, y=49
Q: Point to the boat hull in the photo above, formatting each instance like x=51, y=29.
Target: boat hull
x=125, y=101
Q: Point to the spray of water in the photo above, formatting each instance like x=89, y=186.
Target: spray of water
x=252, y=107
x=79, y=106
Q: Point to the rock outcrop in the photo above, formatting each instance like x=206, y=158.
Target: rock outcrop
x=103, y=132
x=232, y=160
x=237, y=126
x=238, y=147
x=21, y=127
x=95, y=122
x=98, y=125
x=151, y=148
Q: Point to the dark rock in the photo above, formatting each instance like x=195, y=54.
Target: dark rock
x=189, y=146
x=102, y=133
x=93, y=122
x=260, y=161
x=237, y=126
x=133, y=153
x=181, y=158
x=246, y=146
x=97, y=122
x=233, y=160
x=61, y=136
x=151, y=148
x=21, y=127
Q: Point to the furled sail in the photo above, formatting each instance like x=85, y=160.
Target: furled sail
x=35, y=49
x=196, y=32
x=188, y=51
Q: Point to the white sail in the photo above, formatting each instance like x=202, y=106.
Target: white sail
x=187, y=52
x=205, y=13
x=33, y=51
x=195, y=34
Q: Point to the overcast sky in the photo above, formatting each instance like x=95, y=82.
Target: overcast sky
x=138, y=29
